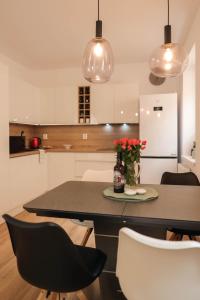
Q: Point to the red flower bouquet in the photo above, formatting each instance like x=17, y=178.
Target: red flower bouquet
x=131, y=150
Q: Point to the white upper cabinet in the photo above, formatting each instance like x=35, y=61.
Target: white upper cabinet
x=110, y=103
x=114, y=103
x=66, y=105
x=102, y=103
x=47, y=106
x=24, y=101
x=126, y=107
x=15, y=100
x=36, y=105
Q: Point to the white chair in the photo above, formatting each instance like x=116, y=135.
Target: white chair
x=152, y=269
x=97, y=176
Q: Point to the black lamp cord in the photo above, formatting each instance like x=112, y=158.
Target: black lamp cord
x=98, y=10
x=98, y=25
x=168, y=39
x=168, y=12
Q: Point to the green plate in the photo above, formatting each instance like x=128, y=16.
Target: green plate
x=149, y=195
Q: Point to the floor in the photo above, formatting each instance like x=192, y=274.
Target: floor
x=12, y=286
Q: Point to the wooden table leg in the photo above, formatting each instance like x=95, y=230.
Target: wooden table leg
x=86, y=236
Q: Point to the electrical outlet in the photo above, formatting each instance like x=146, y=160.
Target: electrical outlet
x=84, y=136
x=45, y=136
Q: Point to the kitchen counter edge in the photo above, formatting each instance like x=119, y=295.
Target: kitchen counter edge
x=61, y=150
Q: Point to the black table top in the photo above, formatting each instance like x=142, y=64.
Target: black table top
x=77, y=199
x=84, y=200
x=175, y=205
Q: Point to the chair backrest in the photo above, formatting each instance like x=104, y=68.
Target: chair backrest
x=46, y=257
x=98, y=175
x=154, y=269
x=188, y=178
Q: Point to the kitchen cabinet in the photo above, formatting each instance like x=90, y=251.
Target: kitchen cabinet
x=36, y=106
x=59, y=105
x=92, y=161
x=110, y=103
x=30, y=176
x=24, y=101
x=114, y=103
x=102, y=103
x=27, y=178
x=126, y=105
x=15, y=100
x=66, y=105
x=63, y=166
x=60, y=168
x=47, y=106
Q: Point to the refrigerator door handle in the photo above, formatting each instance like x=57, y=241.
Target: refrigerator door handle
x=160, y=157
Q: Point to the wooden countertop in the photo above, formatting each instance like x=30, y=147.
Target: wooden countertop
x=63, y=150
x=82, y=150
x=25, y=153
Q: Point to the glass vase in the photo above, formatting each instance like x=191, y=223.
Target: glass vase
x=132, y=173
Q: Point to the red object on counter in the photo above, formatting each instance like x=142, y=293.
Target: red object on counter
x=35, y=143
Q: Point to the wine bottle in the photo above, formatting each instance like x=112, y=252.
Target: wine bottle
x=119, y=171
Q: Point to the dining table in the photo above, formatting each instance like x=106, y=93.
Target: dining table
x=175, y=207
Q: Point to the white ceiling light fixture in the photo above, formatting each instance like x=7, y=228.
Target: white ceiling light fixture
x=97, y=62
x=170, y=59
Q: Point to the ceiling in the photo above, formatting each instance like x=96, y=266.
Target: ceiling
x=46, y=34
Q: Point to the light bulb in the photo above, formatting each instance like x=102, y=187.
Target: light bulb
x=97, y=63
x=169, y=60
x=98, y=50
x=168, y=55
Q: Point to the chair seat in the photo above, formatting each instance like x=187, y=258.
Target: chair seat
x=95, y=260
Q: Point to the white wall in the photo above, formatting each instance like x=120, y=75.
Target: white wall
x=4, y=138
x=193, y=38
x=16, y=69
x=137, y=73
x=8, y=197
x=188, y=109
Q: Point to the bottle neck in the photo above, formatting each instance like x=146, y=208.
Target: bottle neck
x=119, y=157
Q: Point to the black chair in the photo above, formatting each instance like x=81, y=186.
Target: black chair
x=188, y=178
x=48, y=259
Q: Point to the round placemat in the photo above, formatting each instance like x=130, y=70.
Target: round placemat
x=150, y=194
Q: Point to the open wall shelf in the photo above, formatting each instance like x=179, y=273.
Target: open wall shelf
x=84, y=104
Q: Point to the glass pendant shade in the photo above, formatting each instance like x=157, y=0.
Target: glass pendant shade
x=169, y=60
x=97, y=62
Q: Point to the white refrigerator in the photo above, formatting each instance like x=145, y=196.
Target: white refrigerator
x=158, y=125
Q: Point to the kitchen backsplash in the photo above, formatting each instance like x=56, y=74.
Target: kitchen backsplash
x=29, y=131
x=98, y=136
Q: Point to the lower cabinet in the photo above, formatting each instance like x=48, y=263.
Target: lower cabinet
x=92, y=161
x=60, y=168
x=64, y=166
x=30, y=176
x=28, y=179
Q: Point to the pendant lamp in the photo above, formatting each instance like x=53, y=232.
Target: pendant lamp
x=97, y=62
x=170, y=59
